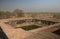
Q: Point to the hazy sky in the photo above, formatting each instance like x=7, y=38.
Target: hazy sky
x=31, y=5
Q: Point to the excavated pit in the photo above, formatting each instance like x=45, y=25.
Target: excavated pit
x=33, y=23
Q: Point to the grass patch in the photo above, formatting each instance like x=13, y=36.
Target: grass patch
x=30, y=27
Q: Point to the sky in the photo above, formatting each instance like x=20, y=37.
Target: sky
x=30, y=5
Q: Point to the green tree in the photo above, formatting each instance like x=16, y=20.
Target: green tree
x=18, y=13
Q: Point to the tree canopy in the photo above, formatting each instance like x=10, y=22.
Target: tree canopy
x=15, y=13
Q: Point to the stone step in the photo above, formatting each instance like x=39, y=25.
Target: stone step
x=49, y=35
x=43, y=35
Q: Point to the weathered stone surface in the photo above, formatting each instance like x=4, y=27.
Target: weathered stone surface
x=13, y=33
